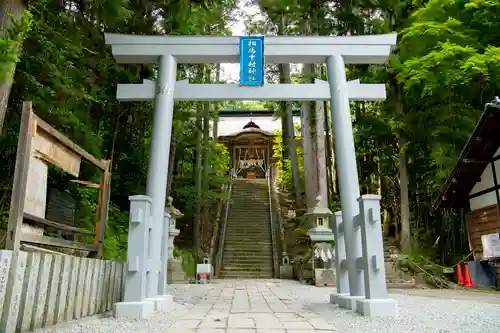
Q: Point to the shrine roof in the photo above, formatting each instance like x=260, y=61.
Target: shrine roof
x=475, y=157
x=250, y=130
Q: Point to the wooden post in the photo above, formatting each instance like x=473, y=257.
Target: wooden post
x=102, y=217
x=18, y=196
x=14, y=229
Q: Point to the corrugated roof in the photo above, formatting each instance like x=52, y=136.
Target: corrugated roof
x=478, y=152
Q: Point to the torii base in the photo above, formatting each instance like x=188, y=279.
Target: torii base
x=162, y=303
x=334, y=298
x=348, y=301
x=377, y=307
x=136, y=310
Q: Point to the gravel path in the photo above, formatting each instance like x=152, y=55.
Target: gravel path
x=448, y=311
x=254, y=306
x=185, y=300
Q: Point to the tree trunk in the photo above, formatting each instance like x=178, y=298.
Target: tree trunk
x=15, y=8
x=198, y=177
x=206, y=165
x=405, y=204
x=292, y=147
x=309, y=170
x=321, y=153
x=215, y=129
x=332, y=191
x=171, y=163
x=283, y=105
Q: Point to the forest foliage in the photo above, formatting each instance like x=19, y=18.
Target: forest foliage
x=445, y=68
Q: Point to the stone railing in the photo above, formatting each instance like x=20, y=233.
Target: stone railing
x=222, y=228
x=42, y=289
x=275, y=219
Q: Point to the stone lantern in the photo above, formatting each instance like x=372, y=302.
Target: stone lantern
x=174, y=271
x=319, y=219
x=321, y=236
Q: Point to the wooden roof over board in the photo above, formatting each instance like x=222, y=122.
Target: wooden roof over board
x=478, y=152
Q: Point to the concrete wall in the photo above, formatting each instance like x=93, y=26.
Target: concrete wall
x=486, y=182
x=51, y=289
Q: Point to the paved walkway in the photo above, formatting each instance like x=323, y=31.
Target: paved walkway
x=282, y=306
x=250, y=306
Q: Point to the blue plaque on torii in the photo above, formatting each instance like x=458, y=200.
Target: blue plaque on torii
x=251, y=60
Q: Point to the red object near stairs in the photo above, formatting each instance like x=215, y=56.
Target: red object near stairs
x=467, y=280
x=460, y=277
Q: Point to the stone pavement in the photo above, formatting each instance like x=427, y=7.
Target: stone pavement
x=284, y=306
x=251, y=306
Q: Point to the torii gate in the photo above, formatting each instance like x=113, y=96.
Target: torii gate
x=168, y=51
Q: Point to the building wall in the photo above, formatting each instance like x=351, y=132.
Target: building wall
x=486, y=182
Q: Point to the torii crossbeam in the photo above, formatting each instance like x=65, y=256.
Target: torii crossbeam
x=184, y=91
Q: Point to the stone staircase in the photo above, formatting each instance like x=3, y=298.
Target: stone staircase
x=247, y=246
x=396, y=278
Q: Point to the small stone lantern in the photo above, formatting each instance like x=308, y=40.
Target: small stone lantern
x=173, y=231
x=319, y=218
x=321, y=236
x=175, y=272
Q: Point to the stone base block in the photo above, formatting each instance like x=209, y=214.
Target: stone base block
x=162, y=303
x=286, y=272
x=175, y=272
x=137, y=310
x=334, y=298
x=377, y=307
x=348, y=301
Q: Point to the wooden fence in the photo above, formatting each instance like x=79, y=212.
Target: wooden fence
x=47, y=289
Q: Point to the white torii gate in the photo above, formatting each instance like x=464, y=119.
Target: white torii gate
x=168, y=51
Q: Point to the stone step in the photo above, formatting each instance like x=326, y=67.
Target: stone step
x=246, y=240
x=248, y=212
x=260, y=231
x=239, y=256
x=249, y=208
x=254, y=225
x=248, y=221
x=244, y=263
x=254, y=268
x=250, y=234
x=249, y=200
x=247, y=236
x=266, y=262
x=247, y=215
x=236, y=241
x=249, y=249
x=250, y=228
x=245, y=275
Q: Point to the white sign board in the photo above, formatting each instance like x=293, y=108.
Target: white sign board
x=491, y=246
